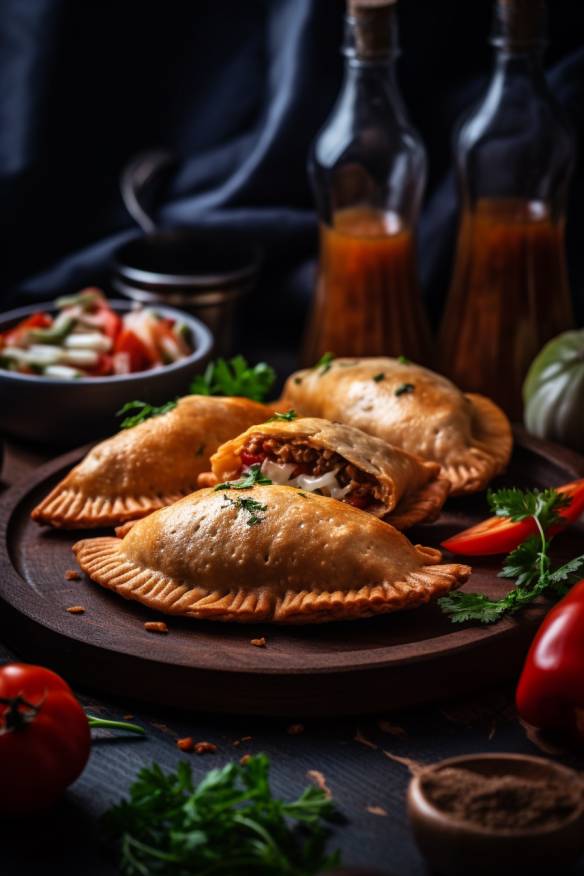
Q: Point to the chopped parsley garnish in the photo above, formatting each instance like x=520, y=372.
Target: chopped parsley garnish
x=297, y=381
x=143, y=411
x=200, y=450
x=403, y=360
x=253, y=476
x=229, y=824
x=529, y=565
x=324, y=364
x=284, y=415
x=235, y=377
x=379, y=377
x=404, y=389
x=249, y=506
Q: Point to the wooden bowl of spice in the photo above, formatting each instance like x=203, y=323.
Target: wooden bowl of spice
x=498, y=813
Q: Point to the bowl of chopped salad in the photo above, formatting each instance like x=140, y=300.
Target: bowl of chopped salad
x=67, y=367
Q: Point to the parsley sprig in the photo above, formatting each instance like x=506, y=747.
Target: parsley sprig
x=253, y=476
x=283, y=415
x=325, y=363
x=230, y=824
x=249, y=506
x=235, y=377
x=529, y=565
x=142, y=411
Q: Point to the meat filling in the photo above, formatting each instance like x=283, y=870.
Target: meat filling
x=357, y=487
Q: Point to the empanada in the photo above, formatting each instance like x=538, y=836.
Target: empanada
x=413, y=408
x=149, y=466
x=338, y=461
x=270, y=553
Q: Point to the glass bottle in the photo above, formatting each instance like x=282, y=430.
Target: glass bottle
x=514, y=154
x=368, y=168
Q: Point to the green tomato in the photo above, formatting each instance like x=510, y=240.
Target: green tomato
x=553, y=391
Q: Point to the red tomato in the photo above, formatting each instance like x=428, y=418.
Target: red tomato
x=37, y=320
x=499, y=535
x=103, y=368
x=252, y=458
x=44, y=738
x=138, y=353
x=108, y=321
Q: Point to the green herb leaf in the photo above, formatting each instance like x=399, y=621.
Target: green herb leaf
x=283, y=415
x=200, y=450
x=521, y=504
x=254, y=476
x=297, y=381
x=249, y=506
x=404, y=389
x=143, y=411
x=403, y=360
x=379, y=377
x=230, y=824
x=324, y=364
x=235, y=378
x=528, y=565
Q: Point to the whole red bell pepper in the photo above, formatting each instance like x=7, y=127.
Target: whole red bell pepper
x=550, y=694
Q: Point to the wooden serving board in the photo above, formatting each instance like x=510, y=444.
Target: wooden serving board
x=340, y=668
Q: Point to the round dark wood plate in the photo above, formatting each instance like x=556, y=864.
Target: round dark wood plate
x=340, y=668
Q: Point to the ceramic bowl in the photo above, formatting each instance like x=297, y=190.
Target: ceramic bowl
x=71, y=412
x=458, y=848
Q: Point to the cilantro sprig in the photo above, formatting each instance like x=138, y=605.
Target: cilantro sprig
x=252, y=477
x=230, y=824
x=142, y=411
x=235, y=377
x=528, y=565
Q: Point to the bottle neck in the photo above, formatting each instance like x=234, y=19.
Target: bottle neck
x=371, y=38
x=520, y=28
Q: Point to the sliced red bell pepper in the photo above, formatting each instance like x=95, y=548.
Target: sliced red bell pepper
x=138, y=353
x=550, y=694
x=500, y=535
x=37, y=320
x=108, y=321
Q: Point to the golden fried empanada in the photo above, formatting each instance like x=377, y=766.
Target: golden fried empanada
x=413, y=408
x=270, y=553
x=338, y=461
x=149, y=466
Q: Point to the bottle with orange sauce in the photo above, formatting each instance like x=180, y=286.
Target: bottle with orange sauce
x=509, y=291
x=368, y=171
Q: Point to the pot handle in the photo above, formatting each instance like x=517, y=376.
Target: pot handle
x=140, y=181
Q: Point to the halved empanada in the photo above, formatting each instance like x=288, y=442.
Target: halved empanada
x=270, y=553
x=149, y=466
x=413, y=408
x=338, y=461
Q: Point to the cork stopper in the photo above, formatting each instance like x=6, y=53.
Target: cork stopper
x=373, y=23
x=520, y=22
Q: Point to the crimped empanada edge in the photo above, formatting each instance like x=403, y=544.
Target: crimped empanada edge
x=68, y=508
x=103, y=561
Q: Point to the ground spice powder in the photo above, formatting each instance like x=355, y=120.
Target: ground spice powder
x=501, y=802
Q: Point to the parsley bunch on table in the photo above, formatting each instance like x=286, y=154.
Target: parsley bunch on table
x=230, y=824
x=529, y=565
x=235, y=377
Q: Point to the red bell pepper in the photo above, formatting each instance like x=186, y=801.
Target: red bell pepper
x=550, y=694
x=37, y=320
x=500, y=535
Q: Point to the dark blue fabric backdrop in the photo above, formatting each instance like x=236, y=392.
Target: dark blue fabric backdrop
x=238, y=91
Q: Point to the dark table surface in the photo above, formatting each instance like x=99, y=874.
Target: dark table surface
x=365, y=763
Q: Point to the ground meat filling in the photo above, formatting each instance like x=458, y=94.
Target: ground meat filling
x=364, y=490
